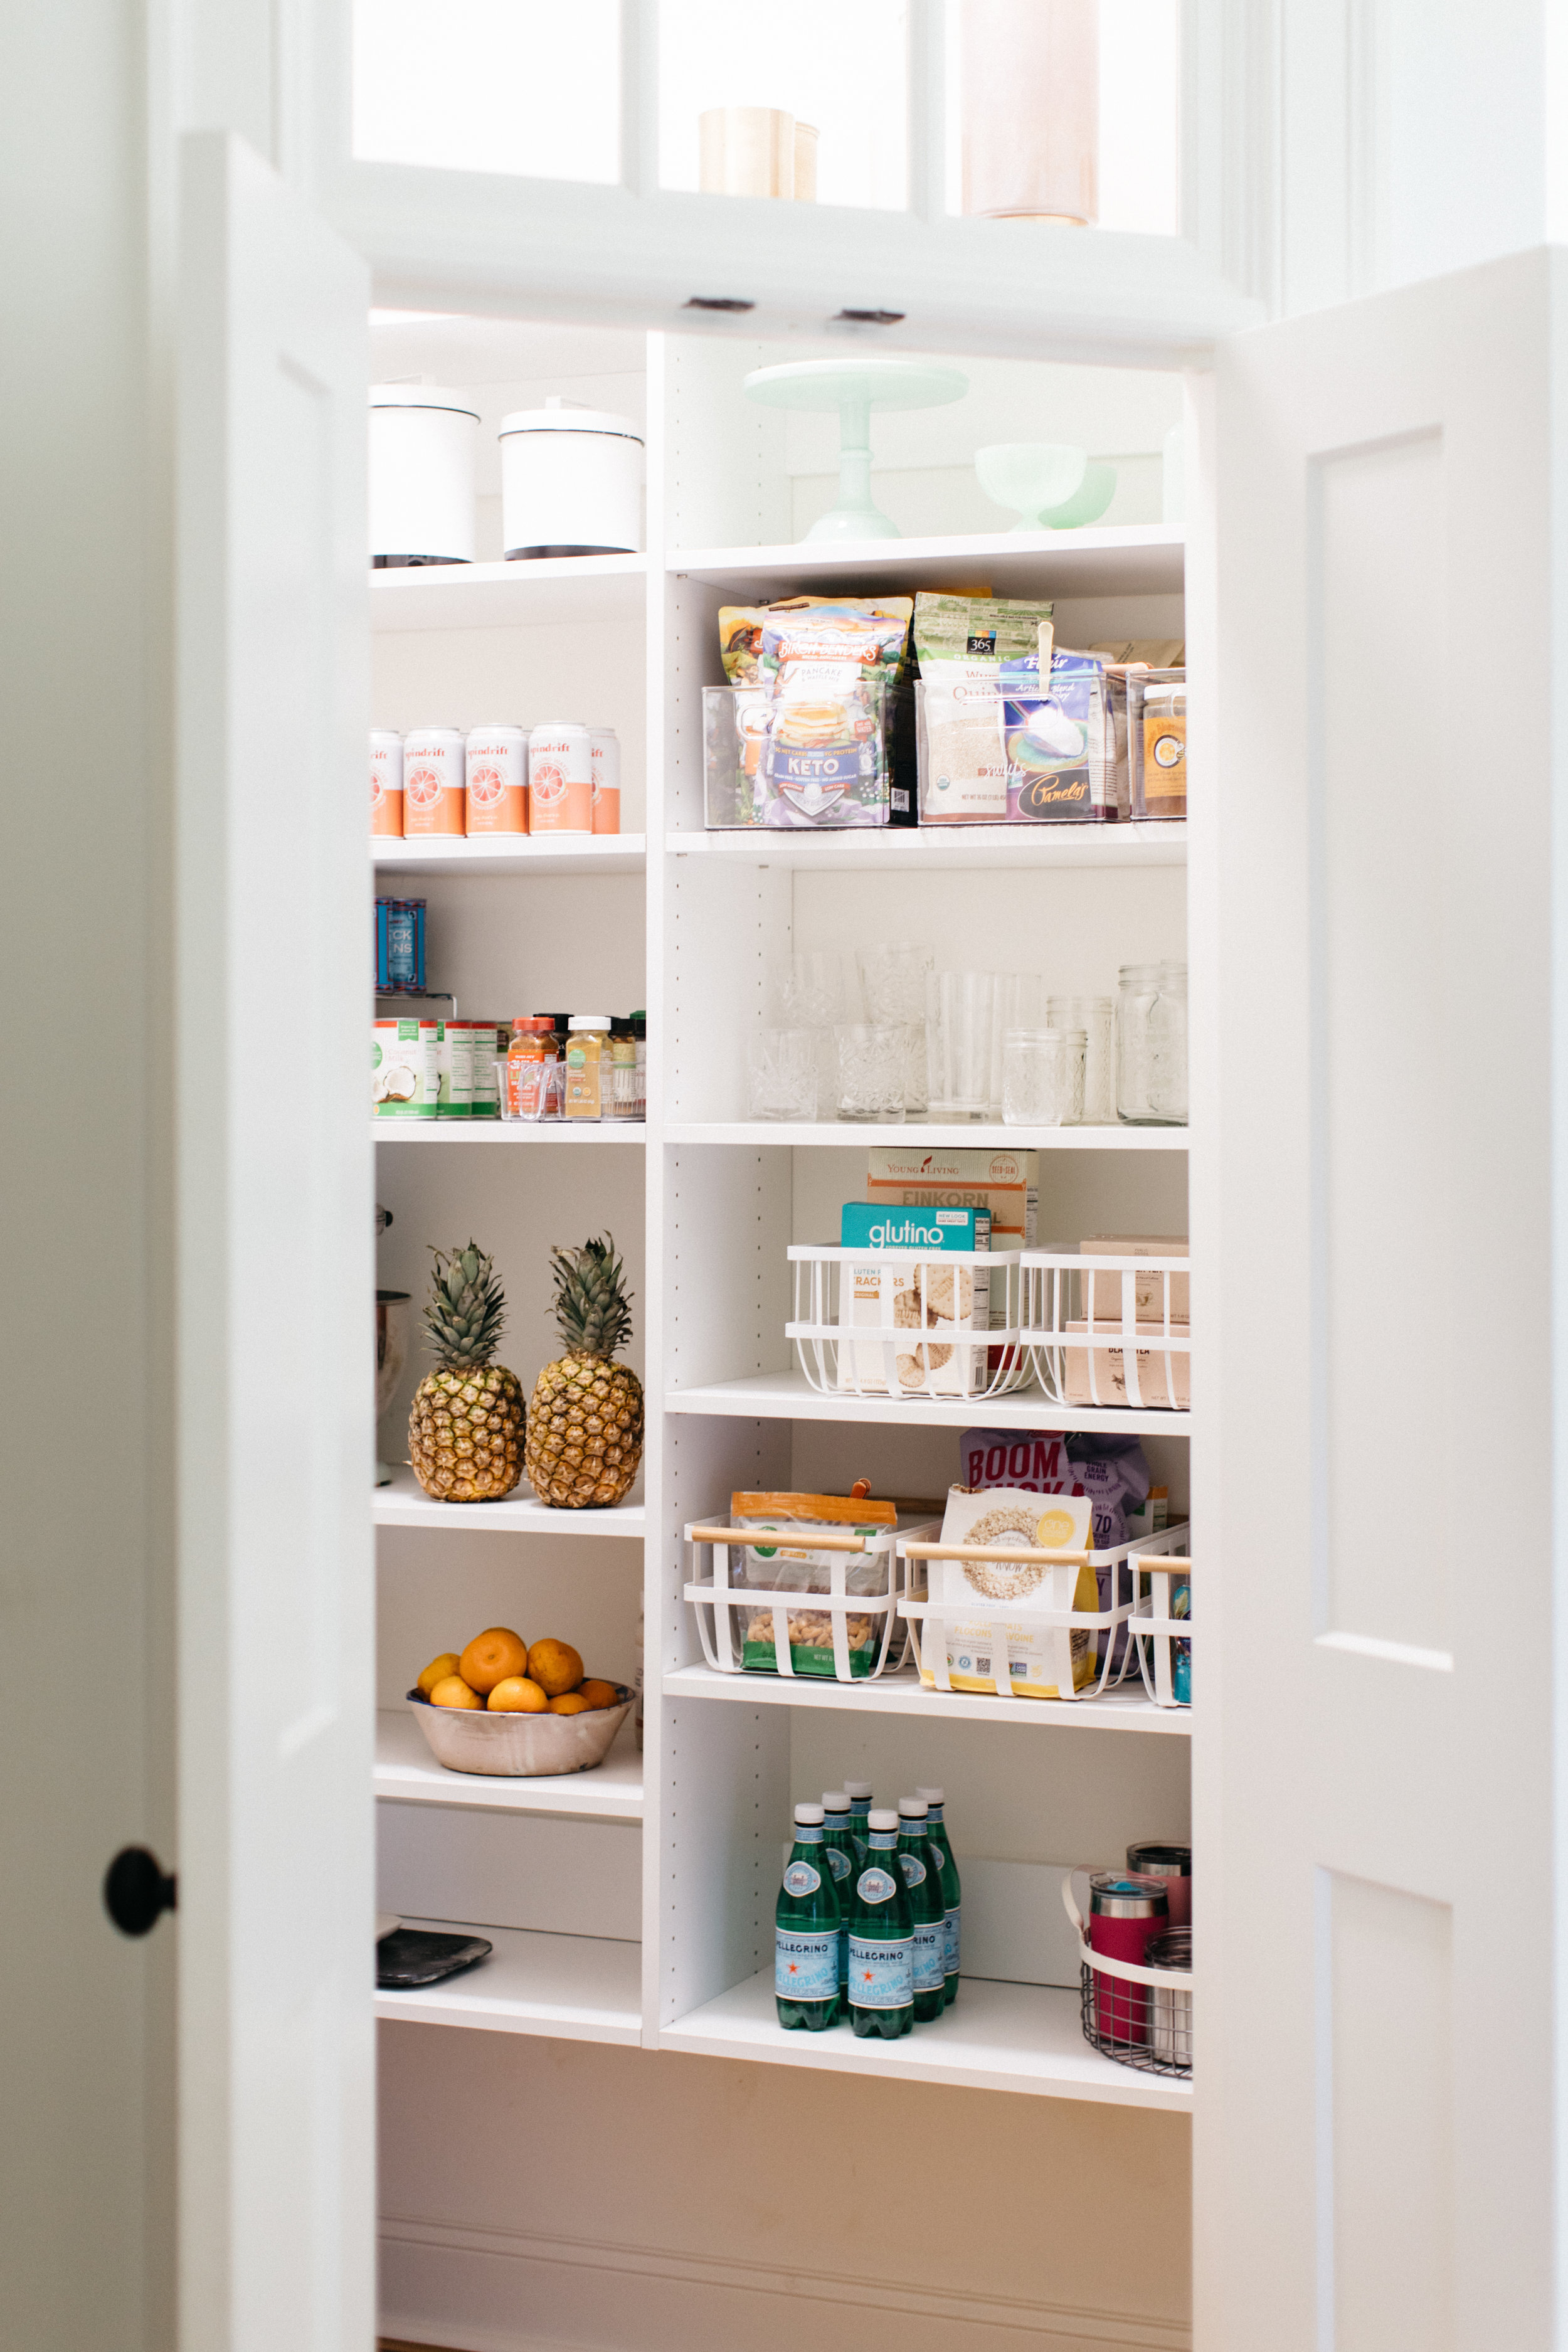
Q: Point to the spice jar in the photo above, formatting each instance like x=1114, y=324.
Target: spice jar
x=531, y=1065
x=587, y=1036
x=639, y=1030
x=621, y=1092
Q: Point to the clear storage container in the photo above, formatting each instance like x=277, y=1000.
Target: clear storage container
x=1152, y=1045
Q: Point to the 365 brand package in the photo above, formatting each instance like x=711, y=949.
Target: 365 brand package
x=1043, y=1661
x=926, y=1304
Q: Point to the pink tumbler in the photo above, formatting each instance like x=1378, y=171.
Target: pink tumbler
x=1124, y=1910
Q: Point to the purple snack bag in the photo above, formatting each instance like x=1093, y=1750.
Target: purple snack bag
x=1111, y=1471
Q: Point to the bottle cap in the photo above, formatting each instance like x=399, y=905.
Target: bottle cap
x=858, y=1787
x=810, y=1816
x=883, y=1821
x=834, y=1801
x=912, y=1809
x=931, y=1796
x=589, y=1020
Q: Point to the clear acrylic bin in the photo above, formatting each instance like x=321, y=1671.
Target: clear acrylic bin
x=991, y=752
x=808, y=760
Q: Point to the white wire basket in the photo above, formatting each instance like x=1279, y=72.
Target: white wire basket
x=800, y=1619
x=1105, y=1330
x=908, y=1323
x=1140, y=2016
x=1117, y=1654
x=1164, y=1628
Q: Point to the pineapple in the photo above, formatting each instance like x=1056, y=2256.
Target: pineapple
x=585, y=1423
x=465, y=1431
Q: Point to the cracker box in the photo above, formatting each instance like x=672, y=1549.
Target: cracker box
x=1148, y=1289
x=928, y=1302
x=1042, y=1660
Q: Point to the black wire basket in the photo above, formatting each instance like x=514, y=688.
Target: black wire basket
x=1141, y=2017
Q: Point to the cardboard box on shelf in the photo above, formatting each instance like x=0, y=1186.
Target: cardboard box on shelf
x=1149, y=1289
x=928, y=1304
x=1110, y=1385
x=1007, y=1183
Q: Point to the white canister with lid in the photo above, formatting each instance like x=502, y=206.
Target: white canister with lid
x=423, y=442
x=571, y=482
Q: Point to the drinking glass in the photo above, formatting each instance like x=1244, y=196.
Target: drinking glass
x=893, y=980
x=917, y=1080
x=1151, y=1046
x=1042, y=1077
x=959, y=1007
x=1096, y=1016
x=871, y=1068
x=810, y=990
x=781, y=1071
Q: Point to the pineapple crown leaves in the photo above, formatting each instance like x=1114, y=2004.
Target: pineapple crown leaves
x=593, y=1306
x=467, y=1313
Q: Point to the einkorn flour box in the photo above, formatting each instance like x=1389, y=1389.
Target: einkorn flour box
x=1005, y=1182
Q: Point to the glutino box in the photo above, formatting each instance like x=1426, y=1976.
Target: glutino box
x=924, y=1303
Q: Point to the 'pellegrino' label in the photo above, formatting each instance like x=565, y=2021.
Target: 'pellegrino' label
x=877, y=1885
x=930, y=1956
x=801, y=1879
x=881, y=1976
x=805, y=1967
x=950, y=1938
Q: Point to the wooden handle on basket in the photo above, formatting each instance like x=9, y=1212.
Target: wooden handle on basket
x=768, y=1539
x=1021, y=1554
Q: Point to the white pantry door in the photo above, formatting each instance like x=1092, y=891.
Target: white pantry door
x=1379, y=954
x=274, y=1254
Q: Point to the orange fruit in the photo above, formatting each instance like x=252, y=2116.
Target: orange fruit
x=555, y=1666
x=453, y=1691
x=516, y=1695
x=490, y=1656
x=598, y=1693
x=437, y=1671
x=570, y=1703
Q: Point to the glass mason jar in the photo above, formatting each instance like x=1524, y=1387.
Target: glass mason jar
x=1042, y=1077
x=1152, y=1045
x=1096, y=1016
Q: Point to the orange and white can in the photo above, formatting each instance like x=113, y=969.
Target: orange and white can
x=386, y=784
x=560, y=780
x=497, y=780
x=604, y=752
x=432, y=781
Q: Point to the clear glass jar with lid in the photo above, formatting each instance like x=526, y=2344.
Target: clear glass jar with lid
x=1152, y=1045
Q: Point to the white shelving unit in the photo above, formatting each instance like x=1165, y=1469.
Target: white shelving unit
x=685, y=1837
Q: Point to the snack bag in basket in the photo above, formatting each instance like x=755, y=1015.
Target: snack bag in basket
x=789, y=1563
x=1041, y=1659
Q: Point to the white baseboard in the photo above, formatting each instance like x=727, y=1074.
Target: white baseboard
x=504, y=2291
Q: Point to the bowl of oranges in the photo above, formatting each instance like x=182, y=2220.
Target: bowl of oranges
x=506, y=1705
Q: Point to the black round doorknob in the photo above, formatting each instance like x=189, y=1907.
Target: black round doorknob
x=136, y=1889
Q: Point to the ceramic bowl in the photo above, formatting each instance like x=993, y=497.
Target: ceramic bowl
x=472, y=1740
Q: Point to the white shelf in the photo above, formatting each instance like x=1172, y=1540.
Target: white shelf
x=1124, y=1710
x=995, y=2037
x=920, y=1136
x=565, y=1987
x=786, y=1396
x=1125, y=559
x=405, y=1503
x=507, y=1130
x=536, y=853
x=408, y=1772
x=908, y=849
x=508, y=595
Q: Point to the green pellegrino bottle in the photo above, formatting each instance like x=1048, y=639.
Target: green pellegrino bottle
x=860, y=1795
x=806, y=1931
x=839, y=1846
x=922, y=1877
x=952, y=1891
x=881, y=1939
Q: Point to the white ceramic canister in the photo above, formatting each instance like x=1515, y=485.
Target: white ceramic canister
x=605, y=756
x=386, y=784
x=559, y=778
x=433, y=797
x=423, y=442
x=571, y=482
x=497, y=780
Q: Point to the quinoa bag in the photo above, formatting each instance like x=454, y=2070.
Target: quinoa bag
x=791, y=1564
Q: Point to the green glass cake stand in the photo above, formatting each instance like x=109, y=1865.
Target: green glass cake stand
x=855, y=387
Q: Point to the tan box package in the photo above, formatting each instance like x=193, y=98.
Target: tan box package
x=1148, y=1289
x=1005, y=1182
x=1109, y=1371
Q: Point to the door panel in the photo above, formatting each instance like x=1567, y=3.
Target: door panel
x=275, y=1273
x=1372, y=1198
